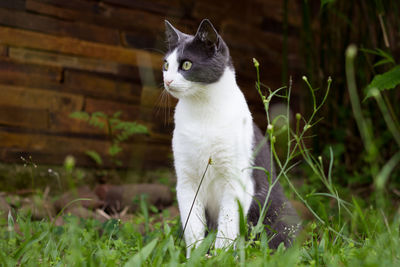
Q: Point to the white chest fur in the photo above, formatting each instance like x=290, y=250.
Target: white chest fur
x=215, y=123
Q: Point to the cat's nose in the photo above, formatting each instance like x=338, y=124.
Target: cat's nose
x=168, y=82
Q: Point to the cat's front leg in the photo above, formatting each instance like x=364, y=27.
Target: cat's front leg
x=228, y=222
x=196, y=223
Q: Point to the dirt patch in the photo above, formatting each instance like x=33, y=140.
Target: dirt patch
x=104, y=202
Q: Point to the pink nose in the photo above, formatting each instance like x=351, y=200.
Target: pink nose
x=168, y=82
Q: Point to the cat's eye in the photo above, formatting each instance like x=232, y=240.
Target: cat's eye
x=165, y=66
x=186, y=65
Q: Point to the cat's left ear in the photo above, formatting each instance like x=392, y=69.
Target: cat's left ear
x=207, y=34
x=173, y=35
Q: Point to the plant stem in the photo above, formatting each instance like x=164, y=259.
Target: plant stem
x=194, y=200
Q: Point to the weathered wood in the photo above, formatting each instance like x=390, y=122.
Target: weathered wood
x=3, y=50
x=101, y=87
x=67, y=45
x=275, y=10
x=252, y=12
x=42, y=7
x=105, y=14
x=50, y=25
x=144, y=39
x=247, y=38
x=117, y=17
x=41, y=99
x=74, y=62
x=57, y=57
x=157, y=98
x=88, y=6
x=239, y=10
x=29, y=74
x=14, y=4
x=24, y=117
x=175, y=8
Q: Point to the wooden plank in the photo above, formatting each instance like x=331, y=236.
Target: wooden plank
x=68, y=10
x=88, y=6
x=3, y=51
x=136, y=19
x=141, y=29
x=14, y=73
x=74, y=62
x=67, y=45
x=275, y=10
x=247, y=11
x=252, y=12
x=105, y=15
x=14, y=4
x=153, y=41
x=267, y=48
x=50, y=25
x=40, y=99
x=157, y=98
x=58, y=12
x=174, y=8
x=242, y=37
x=23, y=117
x=101, y=87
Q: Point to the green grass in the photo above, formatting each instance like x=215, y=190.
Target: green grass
x=368, y=239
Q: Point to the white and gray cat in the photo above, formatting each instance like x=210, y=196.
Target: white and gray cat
x=213, y=120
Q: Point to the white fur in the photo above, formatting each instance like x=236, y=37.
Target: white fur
x=211, y=121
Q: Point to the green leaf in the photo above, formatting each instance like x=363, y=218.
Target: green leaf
x=242, y=220
x=382, y=62
x=99, y=114
x=114, y=122
x=94, y=156
x=114, y=149
x=326, y=2
x=386, y=57
x=80, y=115
x=385, y=81
x=139, y=258
x=384, y=174
x=95, y=121
x=370, y=51
x=117, y=114
x=118, y=162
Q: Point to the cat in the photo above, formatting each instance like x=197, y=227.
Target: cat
x=213, y=123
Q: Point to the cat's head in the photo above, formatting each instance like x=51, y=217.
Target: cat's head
x=194, y=61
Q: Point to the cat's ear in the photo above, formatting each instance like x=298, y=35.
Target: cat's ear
x=207, y=34
x=172, y=34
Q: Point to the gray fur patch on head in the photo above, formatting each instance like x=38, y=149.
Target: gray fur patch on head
x=206, y=50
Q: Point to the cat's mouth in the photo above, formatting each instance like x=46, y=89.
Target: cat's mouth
x=173, y=90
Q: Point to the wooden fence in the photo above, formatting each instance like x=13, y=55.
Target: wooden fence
x=57, y=57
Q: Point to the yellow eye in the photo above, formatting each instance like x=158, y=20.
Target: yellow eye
x=186, y=65
x=165, y=66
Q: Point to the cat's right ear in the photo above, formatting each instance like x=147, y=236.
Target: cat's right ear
x=172, y=34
